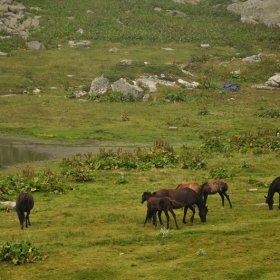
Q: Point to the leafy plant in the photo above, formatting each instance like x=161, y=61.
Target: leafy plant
x=17, y=253
x=29, y=180
x=220, y=173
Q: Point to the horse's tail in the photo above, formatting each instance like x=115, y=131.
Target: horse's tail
x=202, y=187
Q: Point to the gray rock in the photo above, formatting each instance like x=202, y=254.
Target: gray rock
x=81, y=44
x=124, y=87
x=273, y=81
x=264, y=11
x=35, y=45
x=99, y=85
x=146, y=97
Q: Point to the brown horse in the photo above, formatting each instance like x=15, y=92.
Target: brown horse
x=192, y=185
x=186, y=197
x=24, y=203
x=214, y=187
x=274, y=187
x=155, y=204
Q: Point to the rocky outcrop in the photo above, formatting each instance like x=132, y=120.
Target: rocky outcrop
x=258, y=11
x=15, y=20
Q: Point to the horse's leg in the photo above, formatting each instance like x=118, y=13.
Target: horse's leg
x=155, y=218
x=159, y=217
x=146, y=218
x=223, y=199
x=185, y=213
x=227, y=197
x=279, y=201
x=174, y=216
x=205, y=198
x=193, y=211
x=167, y=218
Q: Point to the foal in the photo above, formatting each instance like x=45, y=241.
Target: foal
x=214, y=187
x=155, y=204
x=24, y=203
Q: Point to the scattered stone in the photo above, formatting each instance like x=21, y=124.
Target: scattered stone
x=113, y=50
x=81, y=44
x=168, y=49
x=173, y=128
x=80, y=30
x=191, y=85
x=36, y=91
x=3, y=54
x=126, y=62
x=206, y=46
x=253, y=59
x=89, y=12
x=146, y=97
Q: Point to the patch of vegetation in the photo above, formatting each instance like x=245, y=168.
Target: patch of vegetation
x=31, y=181
x=17, y=253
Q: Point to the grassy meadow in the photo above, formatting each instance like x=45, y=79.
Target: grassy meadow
x=94, y=229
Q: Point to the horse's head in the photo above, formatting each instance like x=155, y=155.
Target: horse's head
x=202, y=213
x=145, y=196
x=269, y=201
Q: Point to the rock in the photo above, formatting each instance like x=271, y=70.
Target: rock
x=3, y=54
x=206, y=46
x=146, y=97
x=113, y=50
x=253, y=59
x=99, y=85
x=273, y=81
x=252, y=11
x=126, y=62
x=124, y=87
x=15, y=20
x=35, y=45
x=81, y=44
x=191, y=85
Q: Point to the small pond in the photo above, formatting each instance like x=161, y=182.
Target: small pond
x=15, y=151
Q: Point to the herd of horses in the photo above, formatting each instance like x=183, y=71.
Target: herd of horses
x=186, y=195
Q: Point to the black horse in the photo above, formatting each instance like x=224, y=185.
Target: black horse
x=188, y=198
x=164, y=204
x=24, y=203
x=274, y=187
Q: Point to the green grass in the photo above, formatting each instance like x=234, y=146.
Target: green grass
x=96, y=230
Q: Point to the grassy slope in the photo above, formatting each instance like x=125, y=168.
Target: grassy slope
x=85, y=231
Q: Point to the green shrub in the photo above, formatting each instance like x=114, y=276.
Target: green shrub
x=20, y=252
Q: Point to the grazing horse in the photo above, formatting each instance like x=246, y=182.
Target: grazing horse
x=193, y=185
x=155, y=204
x=24, y=203
x=214, y=187
x=274, y=187
x=186, y=197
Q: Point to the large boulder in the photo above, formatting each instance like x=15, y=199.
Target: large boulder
x=99, y=85
x=252, y=11
x=126, y=88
